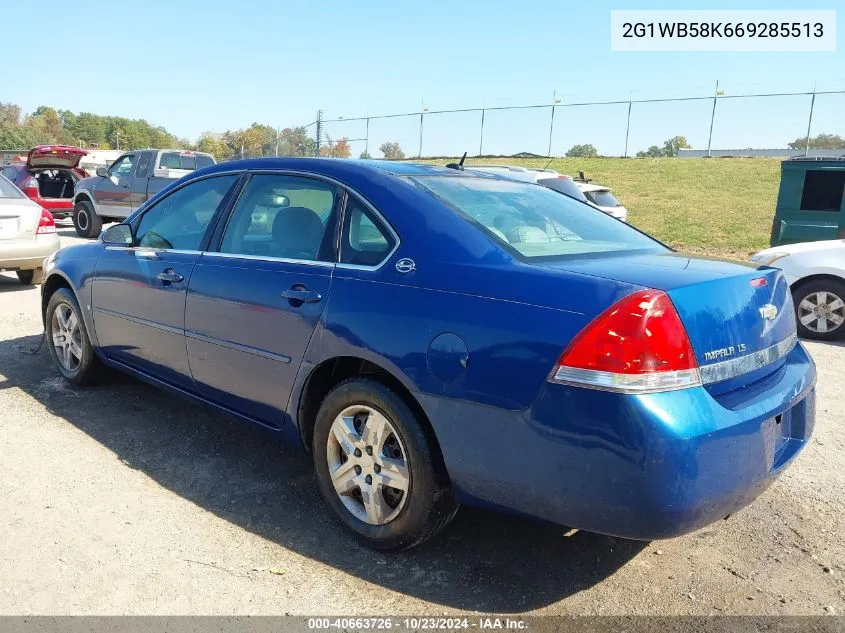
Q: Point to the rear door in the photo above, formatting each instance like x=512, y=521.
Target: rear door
x=139, y=291
x=254, y=300
x=138, y=185
x=54, y=156
x=112, y=194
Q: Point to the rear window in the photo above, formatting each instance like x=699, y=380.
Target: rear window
x=8, y=190
x=535, y=221
x=603, y=198
x=565, y=186
x=178, y=160
x=823, y=189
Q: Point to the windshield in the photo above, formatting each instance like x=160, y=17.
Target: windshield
x=8, y=190
x=565, y=186
x=603, y=198
x=533, y=220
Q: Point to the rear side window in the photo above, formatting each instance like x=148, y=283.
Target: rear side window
x=8, y=190
x=565, y=186
x=365, y=241
x=144, y=162
x=179, y=160
x=823, y=190
x=534, y=221
x=280, y=216
x=603, y=198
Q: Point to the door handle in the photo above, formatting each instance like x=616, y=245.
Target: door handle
x=303, y=295
x=170, y=276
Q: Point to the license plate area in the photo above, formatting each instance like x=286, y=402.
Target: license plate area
x=8, y=228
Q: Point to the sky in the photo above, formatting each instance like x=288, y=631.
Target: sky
x=193, y=66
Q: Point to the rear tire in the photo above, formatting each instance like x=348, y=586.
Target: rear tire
x=31, y=277
x=85, y=220
x=67, y=339
x=820, y=309
x=406, y=517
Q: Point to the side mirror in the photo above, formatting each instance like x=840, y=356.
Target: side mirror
x=102, y=172
x=117, y=235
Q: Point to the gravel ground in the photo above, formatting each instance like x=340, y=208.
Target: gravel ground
x=122, y=499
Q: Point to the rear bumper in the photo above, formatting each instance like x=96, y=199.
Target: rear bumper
x=643, y=467
x=27, y=254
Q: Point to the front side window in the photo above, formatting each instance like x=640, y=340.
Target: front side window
x=823, y=190
x=364, y=241
x=287, y=217
x=122, y=167
x=144, y=163
x=535, y=221
x=180, y=220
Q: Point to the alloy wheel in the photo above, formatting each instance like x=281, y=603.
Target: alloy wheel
x=821, y=312
x=67, y=337
x=368, y=464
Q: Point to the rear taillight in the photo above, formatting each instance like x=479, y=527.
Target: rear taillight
x=46, y=224
x=638, y=345
x=30, y=188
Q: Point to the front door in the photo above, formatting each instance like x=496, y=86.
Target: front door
x=139, y=292
x=253, y=304
x=112, y=193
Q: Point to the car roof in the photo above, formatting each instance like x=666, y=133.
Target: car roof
x=340, y=167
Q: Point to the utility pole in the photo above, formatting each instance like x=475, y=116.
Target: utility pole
x=627, y=129
x=278, y=134
x=712, y=118
x=319, y=130
x=481, y=135
x=419, y=153
x=367, y=139
x=810, y=122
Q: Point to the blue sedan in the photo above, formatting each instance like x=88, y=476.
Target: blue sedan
x=434, y=337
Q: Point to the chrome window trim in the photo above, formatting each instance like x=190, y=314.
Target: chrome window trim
x=734, y=367
x=262, y=258
x=673, y=380
x=383, y=221
x=112, y=247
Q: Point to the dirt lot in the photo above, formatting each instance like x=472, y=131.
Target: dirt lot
x=125, y=500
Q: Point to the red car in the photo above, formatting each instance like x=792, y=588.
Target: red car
x=48, y=176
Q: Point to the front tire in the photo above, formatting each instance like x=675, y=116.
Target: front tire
x=376, y=469
x=820, y=309
x=85, y=220
x=67, y=338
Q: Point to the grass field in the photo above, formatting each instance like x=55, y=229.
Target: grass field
x=721, y=206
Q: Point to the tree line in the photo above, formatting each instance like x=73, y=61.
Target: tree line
x=47, y=125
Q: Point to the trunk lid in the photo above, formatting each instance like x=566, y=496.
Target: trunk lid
x=18, y=219
x=729, y=310
x=55, y=156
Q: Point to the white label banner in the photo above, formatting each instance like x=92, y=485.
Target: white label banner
x=723, y=30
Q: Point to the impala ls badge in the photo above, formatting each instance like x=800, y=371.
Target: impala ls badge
x=769, y=312
x=406, y=265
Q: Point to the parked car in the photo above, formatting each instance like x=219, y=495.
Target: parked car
x=435, y=337
x=124, y=186
x=27, y=234
x=811, y=200
x=603, y=198
x=546, y=177
x=48, y=177
x=815, y=272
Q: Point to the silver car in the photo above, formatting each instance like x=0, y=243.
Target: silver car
x=27, y=234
